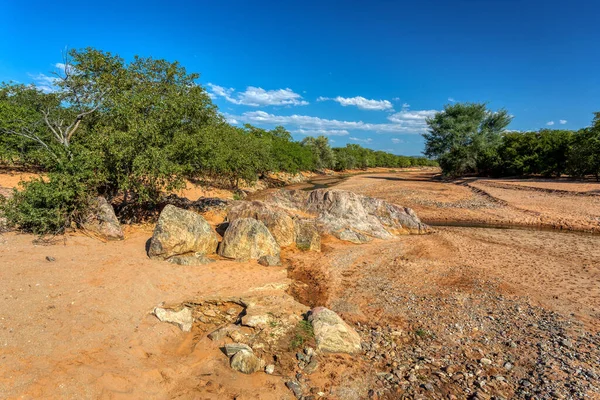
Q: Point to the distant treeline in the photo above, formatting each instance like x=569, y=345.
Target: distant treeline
x=131, y=130
x=468, y=138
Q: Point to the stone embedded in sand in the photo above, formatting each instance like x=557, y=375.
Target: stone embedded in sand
x=222, y=332
x=182, y=318
x=269, y=261
x=102, y=220
x=233, y=348
x=247, y=238
x=332, y=334
x=307, y=235
x=277, y=221
x=245, y=361
x=180, y=232
x=193, y=260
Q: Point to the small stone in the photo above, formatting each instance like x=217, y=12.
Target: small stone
x=295, y=388
x=237, y=336
x=302, y=357
x=566, y=343
x=221, y=332
x=412, y=378
x=508, y=366
x=231, y=311
x=428, y=386
x=246, y=362
x=311, y=366
x=486, y=361
x=269, y=261
x=232, y=348
x=309, y=351
x=182, y=318
x=210, y=313
x=269, y=369
x=50, y=259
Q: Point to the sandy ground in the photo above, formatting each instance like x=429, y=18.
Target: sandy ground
x=564, y=205
x=80, y=326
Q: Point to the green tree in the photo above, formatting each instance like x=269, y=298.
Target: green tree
x=324, y=157
x=463, y=137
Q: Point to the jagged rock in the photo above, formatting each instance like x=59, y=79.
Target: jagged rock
x=180, y=232
x=277, y=221
x=191, y=259
x=233, y=348
x=247, y=238
x=102, y=220
x=269, y=261
x=307, y=235
x=332, y=334
x=295, y=388
x=182, y=318
x=270, y=369
x=245, y=361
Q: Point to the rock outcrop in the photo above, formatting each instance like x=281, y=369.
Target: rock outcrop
x=102, y=220
x=332, y=334
x=181, y=232
x=248, y=238
x=277, y=221
x=195, y=259
x=350, y=216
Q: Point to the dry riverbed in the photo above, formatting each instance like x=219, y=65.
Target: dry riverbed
x=464, y=312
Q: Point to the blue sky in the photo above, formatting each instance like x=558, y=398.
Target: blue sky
x=365, y=72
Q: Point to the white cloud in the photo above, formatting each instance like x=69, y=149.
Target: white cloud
x=355, y=139
x=45, y=83
x=256, y=96
x=562, y=121
x=324, y=132
x=396, y=140
x=550, y=123
x=408, y=122
x=396, y=99
x=361, y=102
x=406, y=114
x=405, y=105
x=451, y=100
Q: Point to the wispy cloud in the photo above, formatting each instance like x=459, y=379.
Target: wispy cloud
x=408, y=115
x=550, y=123
x=562, y=121
x=451, y=100
x=396, y=141
x=408, y=122
x=45, y=83
x=256, y=96
x=355, y=139
x=324, y=132
x=361, y=102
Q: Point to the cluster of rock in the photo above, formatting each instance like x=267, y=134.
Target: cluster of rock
x=259, y=229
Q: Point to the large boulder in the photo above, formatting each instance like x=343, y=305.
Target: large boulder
x=246, y=362
x=332, y=334
x=342, y=214
x=248, y=238
x=277, y=221
x=102, y=220
x=349, y=216
x=180, y=232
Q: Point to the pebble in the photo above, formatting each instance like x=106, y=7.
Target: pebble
x=269, y=369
